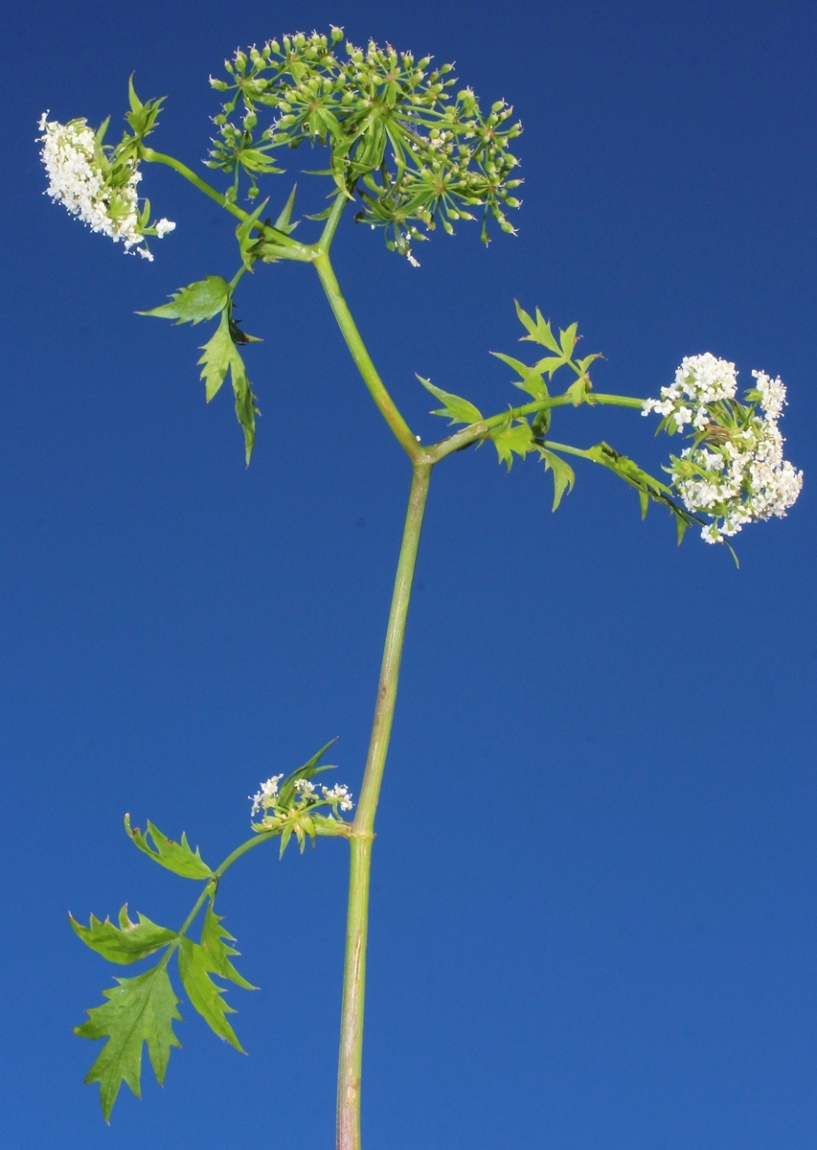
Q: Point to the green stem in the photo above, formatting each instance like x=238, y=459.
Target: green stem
x=475, y=431
x=332, y=221
x=258, y=838
x=362, y=834
x=153, y=157
x=401, y=430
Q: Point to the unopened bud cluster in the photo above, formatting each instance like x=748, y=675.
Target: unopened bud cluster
x=734, y=471
x=412, y=152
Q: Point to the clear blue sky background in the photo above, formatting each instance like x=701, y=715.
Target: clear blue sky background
x=595, y=876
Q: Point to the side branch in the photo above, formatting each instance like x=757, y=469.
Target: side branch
x=385, y=404
x=476, y=431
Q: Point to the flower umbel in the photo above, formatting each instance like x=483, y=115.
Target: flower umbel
x=734, y=471
x=295, y=806
x=97, y=185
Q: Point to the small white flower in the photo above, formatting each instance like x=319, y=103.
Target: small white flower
x=266, y=796
x=304, y=787
x=338, y=794
x=163, y=227
x=415, y=263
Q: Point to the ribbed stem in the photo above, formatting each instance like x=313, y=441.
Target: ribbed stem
x=354, y=975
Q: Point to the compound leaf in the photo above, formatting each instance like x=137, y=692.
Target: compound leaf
x=138, y=1010
x=215, y=942
x=126, y=943
x=196, y=302
x=177, y=857
x=456, y=409
x=204, y=994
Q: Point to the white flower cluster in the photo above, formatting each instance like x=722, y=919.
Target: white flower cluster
x=701, y=379
x=735, y=471
x=77, y=179
x=267, y=797
x=338, y=794
x=268, y=791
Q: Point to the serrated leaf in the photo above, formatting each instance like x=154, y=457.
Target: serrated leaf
x=550, y=364
x=538, y=331
x=516, y=439
x=177, y=857
x=567, y=340
x=563, y=475
x=194, y=303
x=579, y=392
x=531, y=378
x=456, y=409
x=216, y=358
x=204, y=994
x=245, y=403
x=138, y=1010
x=215, y=944
x=126, y=943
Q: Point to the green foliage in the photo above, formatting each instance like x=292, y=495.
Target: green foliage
x=214, y=943
x=204, y=994
x=126, y=943
x=177, y=857
x=412, y=151
x=138, y=1010
x=563, y=475
x=512, y=438
x=198, y=301
x=220, y=355
x=455, y=409
x=648, y=487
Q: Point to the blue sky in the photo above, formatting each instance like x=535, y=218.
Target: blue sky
x=594, y=884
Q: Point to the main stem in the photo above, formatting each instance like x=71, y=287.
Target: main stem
x=362, y=836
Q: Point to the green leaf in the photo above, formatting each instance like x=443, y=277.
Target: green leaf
x=516, y=439
x=135, y=103
x=216, y=358
x=531, y=378
x=204, y=994
x=550, y=364
x=221, y=355
x=177, y=857
x=282, y=224
x=567, y=340
x=246, y=240
x=456, y=409
x=563, y=475
x=126, y=943
x=539, y=331
x=194, y=303
x=245, y=403
x=579, y=392
x=215, y=944
x=307, y=771
x=138, y=1010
